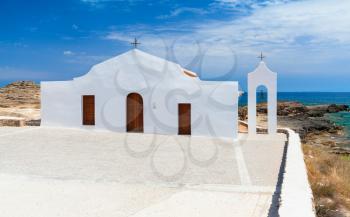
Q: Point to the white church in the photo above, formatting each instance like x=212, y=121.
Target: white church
x=141, y=93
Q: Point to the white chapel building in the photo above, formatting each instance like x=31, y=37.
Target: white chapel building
x=142, y=93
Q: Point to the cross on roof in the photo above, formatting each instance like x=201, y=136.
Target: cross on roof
x=135, y=43
x=261, y=57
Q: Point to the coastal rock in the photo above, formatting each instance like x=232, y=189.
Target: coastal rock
x=320, y=125
x=290, y=108
x=283, y=109
x=316, y=113
x=320, y=110
x=305, y=125
x=337, y=108
x=302, y=119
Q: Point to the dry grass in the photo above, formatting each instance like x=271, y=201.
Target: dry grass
x=329, y=176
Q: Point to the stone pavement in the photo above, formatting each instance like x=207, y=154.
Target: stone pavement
x=70, y=172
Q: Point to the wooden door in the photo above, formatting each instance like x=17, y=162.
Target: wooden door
x=184, y=119
x=134, y=113
x=89, y=110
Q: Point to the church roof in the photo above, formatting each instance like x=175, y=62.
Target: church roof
x=142, y=58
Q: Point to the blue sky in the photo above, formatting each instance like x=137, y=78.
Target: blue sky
x=306, y=41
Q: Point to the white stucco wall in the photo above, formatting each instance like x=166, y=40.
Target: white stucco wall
x=60, y=104
x=162, y=85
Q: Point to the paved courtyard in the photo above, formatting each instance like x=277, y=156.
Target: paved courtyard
x=70, y=172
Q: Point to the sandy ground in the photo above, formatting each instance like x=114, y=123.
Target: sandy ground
x=66, y=172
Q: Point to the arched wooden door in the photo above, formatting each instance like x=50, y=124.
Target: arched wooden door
x=134, y=113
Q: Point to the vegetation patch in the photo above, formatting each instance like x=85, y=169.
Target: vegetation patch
x=329, y=176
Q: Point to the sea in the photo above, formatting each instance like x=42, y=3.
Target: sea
x=313, y=98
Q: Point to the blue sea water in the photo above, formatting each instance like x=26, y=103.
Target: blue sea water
x=313, y=98
x=306, y=98
x=342, y=119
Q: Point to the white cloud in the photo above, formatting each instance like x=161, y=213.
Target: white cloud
x=182, y=10
x=68, y=53
x=96, y=2
x=312, y=32
x=321, y=23
x=118, y=36
x=250, y=4
x=315, y=22
x=75, y=27
x=100, y=1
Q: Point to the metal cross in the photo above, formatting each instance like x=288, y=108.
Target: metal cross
x=135, y=43
x=261, y=57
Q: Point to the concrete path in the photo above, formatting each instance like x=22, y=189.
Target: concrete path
x=66, y=172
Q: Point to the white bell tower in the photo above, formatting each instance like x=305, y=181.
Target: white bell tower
x=262, y=76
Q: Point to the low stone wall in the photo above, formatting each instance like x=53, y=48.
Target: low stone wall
x=33, y=122
x=18, y=122
x=258, y=129
x=12, y=122
x=296, y=196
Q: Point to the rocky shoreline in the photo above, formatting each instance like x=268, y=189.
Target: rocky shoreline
x=310, y=122
x=20, y=104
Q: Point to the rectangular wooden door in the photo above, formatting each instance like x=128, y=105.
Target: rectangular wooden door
x=89, y=110
x=134, y=113
x=184, y=119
